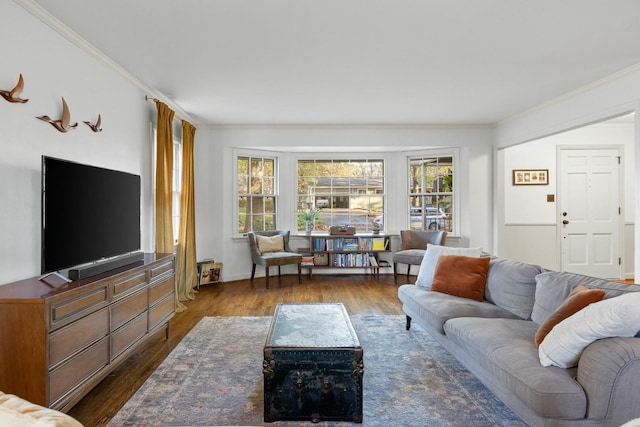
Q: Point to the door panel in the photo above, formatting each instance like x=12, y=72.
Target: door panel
x=589, y=217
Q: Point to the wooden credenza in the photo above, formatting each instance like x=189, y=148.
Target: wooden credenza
x=57, y=344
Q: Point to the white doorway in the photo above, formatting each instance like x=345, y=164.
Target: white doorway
x=590, y=210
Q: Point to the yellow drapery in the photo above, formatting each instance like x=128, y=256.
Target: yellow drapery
x=186, y=268
x=164, y=173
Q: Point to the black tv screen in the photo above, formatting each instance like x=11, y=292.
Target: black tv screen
x=88, y=214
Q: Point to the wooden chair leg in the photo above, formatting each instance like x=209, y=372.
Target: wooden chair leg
x=266, y=275
x=408, y=271
x=395, y=272
x=253, y=272
x=279, y=275
x=299, y=273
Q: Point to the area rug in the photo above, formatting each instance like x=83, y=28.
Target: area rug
x=214, y=377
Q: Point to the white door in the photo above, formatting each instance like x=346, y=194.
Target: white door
x=590, y=211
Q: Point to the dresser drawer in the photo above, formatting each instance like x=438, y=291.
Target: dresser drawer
x=77, y=305
x=161, y=289
x=69, y=340
x=160, y=269
x=128, y=335
x=76, y=370
x=128, y=308
x=162, y=311
x=128, y=284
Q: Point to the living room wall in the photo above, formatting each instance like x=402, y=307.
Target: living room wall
x=215, y=181
x=530, y=218
x=53, y=67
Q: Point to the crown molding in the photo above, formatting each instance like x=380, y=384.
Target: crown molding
x=54, y=23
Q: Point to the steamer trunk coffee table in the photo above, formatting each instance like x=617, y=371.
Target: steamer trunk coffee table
x=312, y=365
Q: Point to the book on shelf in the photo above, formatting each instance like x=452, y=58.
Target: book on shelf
x=373, y=262
x=379, y=243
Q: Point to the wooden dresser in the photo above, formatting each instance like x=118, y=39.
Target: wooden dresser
x=57, y=344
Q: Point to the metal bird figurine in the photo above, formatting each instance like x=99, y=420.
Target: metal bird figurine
x=63, y=125
x=96, y=127
x=13, y=94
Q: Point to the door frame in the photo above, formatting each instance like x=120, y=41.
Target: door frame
x=621, y=200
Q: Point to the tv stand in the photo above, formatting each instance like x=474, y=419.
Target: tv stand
x=56, y=344
x=89, y=270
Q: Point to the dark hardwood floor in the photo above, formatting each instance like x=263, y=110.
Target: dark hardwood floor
x=360, y=294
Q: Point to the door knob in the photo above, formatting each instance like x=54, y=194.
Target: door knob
x=565, y=221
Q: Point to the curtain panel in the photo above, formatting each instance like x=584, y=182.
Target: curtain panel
x=186, y=269
x=164, y=172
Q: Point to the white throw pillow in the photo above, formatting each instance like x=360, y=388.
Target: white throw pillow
x=430, y=260
x=612, y=317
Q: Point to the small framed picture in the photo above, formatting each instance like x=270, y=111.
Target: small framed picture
x=531, y=177
x=210, y=272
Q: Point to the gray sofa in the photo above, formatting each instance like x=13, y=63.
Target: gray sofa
x=494, y=339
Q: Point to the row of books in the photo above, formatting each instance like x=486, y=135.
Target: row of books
x=346, y=244
x=353, y=260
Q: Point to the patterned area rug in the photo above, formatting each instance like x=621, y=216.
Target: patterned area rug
x=214, y=377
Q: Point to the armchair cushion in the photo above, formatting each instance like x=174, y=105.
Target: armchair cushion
x=270, y=243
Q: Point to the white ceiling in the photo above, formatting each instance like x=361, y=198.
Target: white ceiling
x=358, y=61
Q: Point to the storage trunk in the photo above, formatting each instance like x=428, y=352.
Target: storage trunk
x=313, y=365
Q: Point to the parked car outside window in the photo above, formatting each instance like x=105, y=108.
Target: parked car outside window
x=435, y=218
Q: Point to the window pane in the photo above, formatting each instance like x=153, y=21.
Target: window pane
x=341, y=191
x=431, y=193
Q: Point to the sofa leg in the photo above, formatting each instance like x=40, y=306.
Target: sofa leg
x=408, y=323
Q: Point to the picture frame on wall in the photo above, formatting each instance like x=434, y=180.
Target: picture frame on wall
x=210, y=272
x=531, y=177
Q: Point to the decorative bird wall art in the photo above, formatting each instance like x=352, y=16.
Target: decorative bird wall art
x=63, y=124
x=96, y=127
x=13, y=95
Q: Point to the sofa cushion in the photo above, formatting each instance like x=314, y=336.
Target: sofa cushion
x=553, y=287
x=430, y=260
x=613, y=317
x=435, y=308
x=16, y=412
x=504, y=351
x=461, y=276
x=512, y=285
x=270, y=243
x=579, y=298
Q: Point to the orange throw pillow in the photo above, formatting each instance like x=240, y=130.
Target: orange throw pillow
x=462, y=276
x=579, y=298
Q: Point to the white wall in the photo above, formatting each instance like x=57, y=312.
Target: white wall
x=615, y=95
x=528, y=217
x=215, y=181
x=53, y=67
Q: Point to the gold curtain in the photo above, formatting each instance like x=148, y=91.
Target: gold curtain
x=164, y=173
x=186, y=269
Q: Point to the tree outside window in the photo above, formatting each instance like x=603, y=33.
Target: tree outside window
x=343, y=191
x=430, y=205
x=257, y=202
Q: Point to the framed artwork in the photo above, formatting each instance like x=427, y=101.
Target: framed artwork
x=210, y=272
x=531, y=177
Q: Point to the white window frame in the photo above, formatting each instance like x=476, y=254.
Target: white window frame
x=255, y=154
x=454, y=153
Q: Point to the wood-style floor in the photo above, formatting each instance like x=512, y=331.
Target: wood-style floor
x=360, y=294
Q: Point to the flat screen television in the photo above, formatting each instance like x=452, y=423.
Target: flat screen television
x=89, y=214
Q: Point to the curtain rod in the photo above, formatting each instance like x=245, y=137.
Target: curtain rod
x=176, y=114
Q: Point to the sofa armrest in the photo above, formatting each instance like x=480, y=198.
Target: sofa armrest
x=609, y=372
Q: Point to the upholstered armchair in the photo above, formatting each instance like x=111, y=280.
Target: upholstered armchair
x=413, y=246
x=271, y=248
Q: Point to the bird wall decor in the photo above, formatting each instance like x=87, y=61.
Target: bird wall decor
x=62, y=125
x=96, y=127
x=13, y=95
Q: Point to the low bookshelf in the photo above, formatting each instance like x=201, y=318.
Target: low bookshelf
x=346, y=251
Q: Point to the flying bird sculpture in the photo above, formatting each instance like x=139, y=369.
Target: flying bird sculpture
x=13, y=95
x=96, y=127
x=63, y=125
